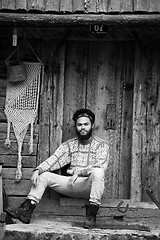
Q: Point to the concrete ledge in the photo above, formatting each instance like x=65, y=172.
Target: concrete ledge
x=56, y=229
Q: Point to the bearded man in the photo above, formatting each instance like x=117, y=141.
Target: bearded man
x=87, y=156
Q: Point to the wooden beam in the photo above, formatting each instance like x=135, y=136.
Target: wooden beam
x=108, y=203
x=1, y=192
x=139, y=143
x=79, y=19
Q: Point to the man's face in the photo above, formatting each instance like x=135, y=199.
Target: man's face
x=84, y=128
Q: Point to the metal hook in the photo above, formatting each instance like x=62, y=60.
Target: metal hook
x=120, y=210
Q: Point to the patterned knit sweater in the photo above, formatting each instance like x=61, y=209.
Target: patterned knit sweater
x=82, y=157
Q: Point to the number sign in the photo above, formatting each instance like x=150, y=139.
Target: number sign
x=97, y=28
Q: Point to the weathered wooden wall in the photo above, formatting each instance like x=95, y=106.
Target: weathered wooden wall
x=9, y=156
x=93, y=74
x=94, y=77
x=89, y=6
x=145, y=167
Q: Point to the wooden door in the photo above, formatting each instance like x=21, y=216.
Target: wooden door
x=99, y=75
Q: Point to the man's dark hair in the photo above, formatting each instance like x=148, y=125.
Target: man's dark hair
x=84, y=112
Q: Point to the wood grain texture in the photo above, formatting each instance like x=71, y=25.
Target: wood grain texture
x=100, y=88
x=114, y=6
x=43, y=146
x=150, y=167
x=75, y=84
x=102, y=6
x=9, y=173
x=1, y=190
x=57, y=95
x=49, y=19
x=17, y=189
x=21, y=4
x=11, y=161
x=139, y=130
x=36, y=5
x=52, y=5
x=65, y=6
x=14, y=149
x=141, y=5
x=78, y=6
x=9, y=4
x=154, y=6
x=89, y=6
x=3, y=134
x=126, y=6
x=3, y=85
x=108, y=203
x=127, y=85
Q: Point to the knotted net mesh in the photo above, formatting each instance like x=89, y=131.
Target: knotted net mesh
x=21, y=108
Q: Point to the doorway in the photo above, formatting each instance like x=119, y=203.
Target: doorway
x=99, y=76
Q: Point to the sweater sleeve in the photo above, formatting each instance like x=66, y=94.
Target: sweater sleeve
x=59, y=159
x=102, y=156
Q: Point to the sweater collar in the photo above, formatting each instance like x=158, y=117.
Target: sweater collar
x=86, y=141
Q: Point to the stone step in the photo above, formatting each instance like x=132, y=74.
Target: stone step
x=50, y=227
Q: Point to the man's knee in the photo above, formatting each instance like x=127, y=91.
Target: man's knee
x=45, y=177
x=98, y=172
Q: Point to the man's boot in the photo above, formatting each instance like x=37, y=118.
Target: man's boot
x=91, y=212
x=23, y=212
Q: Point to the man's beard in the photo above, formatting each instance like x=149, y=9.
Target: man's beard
x=84, y=137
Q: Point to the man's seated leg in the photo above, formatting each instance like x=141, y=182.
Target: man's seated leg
x=58, y=183
x=85, y=187
x=97, y=188
x=25, y=210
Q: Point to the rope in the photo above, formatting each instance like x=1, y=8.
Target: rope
x=7, y=143
x=19, y=164
x=31, y=140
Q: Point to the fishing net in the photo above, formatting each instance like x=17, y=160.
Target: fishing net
x=21, y=108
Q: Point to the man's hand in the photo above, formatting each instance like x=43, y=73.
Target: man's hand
x=72, y=180
x=35, y=178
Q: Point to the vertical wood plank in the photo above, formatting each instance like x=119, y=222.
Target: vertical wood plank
x=52, y=5
x=21, y=4
x=75, y=84
x=56, y=105
x=100, y=74
x=103, y=87
x=65, y=5
x=99, y=90
x=43, y=147
x=150, y=165
x=53, y=107
x=141, y=5
x=126, y=6
x=126, y=121
x=117, y=137
x=116, y=97
x=102, y=6
x=114, y=6
x=9, y=4
x=36, y=5
x=56, y=111
x=78, y=6
x=1, y=190
x=154, y=6
x=90, y=6
x=139, y=125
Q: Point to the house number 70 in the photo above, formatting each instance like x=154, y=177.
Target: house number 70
x=98, y=28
